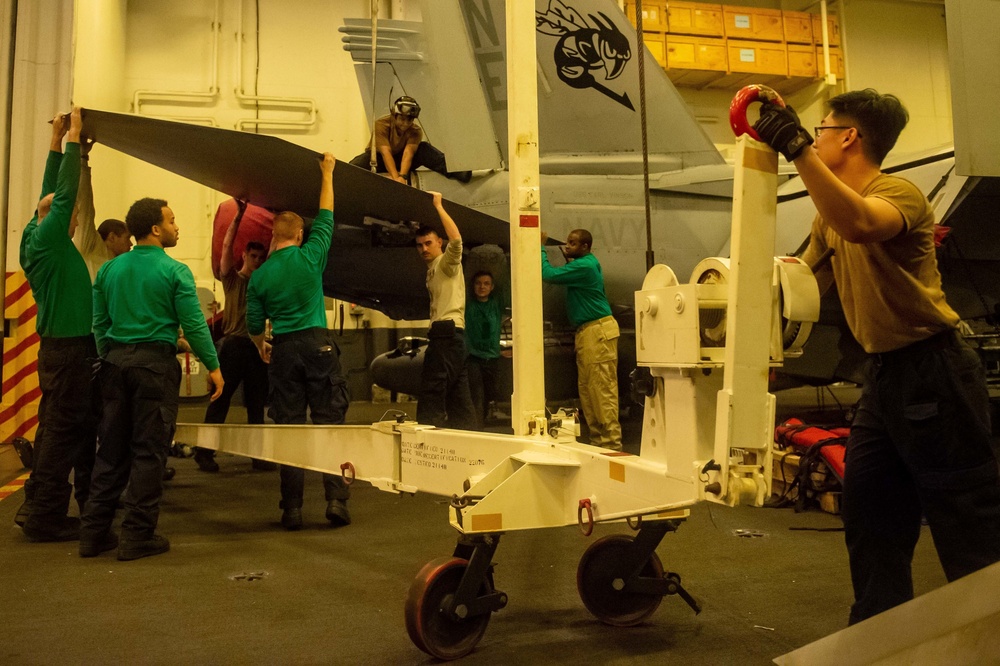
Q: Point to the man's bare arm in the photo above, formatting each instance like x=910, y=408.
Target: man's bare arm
x=226, y=260
x=87, y=239
x=75, y=125
x=855, y=218
x=263, y=347
x=406, y=159
x=327, y=165
x=60, y=125
x=390, y=163
x=450, y=228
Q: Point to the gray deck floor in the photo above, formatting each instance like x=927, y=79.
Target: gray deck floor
x=337, y=596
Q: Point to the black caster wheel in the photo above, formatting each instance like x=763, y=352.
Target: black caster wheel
x=432, y=629
x=600, y=579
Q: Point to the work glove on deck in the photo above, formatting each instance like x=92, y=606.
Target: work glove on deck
x=779, y=127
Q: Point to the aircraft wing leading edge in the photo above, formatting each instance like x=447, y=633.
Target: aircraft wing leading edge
x=365, y=266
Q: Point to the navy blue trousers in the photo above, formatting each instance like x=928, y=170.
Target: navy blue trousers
x=140, y=387
x=920, y=444
x=445, y=399
x=67, y=428
x=305, y=373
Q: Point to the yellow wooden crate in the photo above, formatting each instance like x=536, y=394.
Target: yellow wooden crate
x=687, y=52
x=833, y=27
x=753, y=23
x=694, y=18
x=836, y=62
x=784, y=468
x=802, y=60
x=797, y=27
x=654, y=15
x=656, y=44
x=757, y=57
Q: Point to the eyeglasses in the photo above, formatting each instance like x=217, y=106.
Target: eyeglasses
x=820, y=128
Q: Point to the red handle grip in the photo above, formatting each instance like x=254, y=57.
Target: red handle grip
x=348, y=473
x=744, y=98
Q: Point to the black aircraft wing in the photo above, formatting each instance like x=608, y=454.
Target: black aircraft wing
x=372, y=257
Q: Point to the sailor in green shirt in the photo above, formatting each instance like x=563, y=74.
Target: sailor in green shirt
x=483, y=319
x=141, y=298
x=596, y=335
x=60, y=284
x=304, y=360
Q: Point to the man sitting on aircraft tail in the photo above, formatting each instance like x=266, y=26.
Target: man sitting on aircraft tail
x=920, y=441
x=596, y=336
x=399, y=148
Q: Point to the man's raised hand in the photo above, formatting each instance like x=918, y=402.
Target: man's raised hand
x=779, y=127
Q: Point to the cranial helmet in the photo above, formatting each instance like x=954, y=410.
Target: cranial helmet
x=406, y=106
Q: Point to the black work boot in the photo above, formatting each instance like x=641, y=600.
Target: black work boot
x=130, y=549
x=40, y=530
x=291, y=519
x=337, y=513
x=206, y=460
x=94, y=547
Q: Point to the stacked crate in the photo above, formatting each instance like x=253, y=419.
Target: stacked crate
x=728, y=46
x=754, y=38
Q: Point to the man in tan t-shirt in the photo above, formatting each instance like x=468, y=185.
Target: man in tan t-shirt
x=96, y=243
x=920, y=440
x=445, y=398
x=238, y=358
x=400, y=148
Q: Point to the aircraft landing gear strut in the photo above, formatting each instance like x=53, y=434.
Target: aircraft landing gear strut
x=452, y=598
x=621, y=579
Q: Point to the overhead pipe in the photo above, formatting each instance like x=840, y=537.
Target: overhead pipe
x=301, y=103
x=181, y=96
x=372, y=156
x=829, y=76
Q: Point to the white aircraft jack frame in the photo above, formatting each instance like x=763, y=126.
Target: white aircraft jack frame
x=707, y=435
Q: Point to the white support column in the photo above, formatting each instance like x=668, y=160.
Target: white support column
x=745, y=410
x=8, y=12
x=99, y=55
x=41, y=87
x=98, y=83
x=528, y=401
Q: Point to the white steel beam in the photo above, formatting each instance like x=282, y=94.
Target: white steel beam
x=528, y=401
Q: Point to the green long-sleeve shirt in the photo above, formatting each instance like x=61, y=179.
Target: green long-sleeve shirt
x=145, y=296
x=55, y=270
x=482, y=327
x=288, y=287
x=584, y=282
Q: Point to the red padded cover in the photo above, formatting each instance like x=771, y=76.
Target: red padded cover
x=255, y=226
x=797, y=434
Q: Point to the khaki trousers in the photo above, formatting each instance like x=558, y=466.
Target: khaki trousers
x=597, y=368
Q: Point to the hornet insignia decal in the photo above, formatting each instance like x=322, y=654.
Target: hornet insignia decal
x=586, y=48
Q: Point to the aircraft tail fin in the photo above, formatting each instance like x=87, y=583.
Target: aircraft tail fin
x=588, y=86
x=430, y=61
